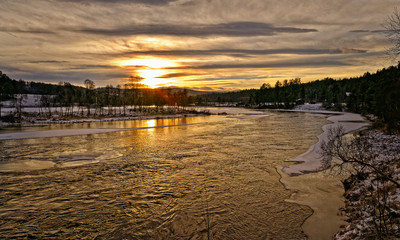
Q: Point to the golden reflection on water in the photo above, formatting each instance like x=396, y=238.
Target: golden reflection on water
x=160, y=184
x=151, y=124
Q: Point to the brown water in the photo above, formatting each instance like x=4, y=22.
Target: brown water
x=215, y=179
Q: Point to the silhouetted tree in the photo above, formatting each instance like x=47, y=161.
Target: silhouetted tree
x=89, y=94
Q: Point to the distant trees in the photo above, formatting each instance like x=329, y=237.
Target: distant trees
x=89, y=94
x=70, y=100
x=283, y=95
x=238, y=98
x=376, y=94
x=9, y=87
x=386, y=103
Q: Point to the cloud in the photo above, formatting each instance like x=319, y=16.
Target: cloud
x=226, y=41
x=245, y=52
x=231, y=77
x=76, y=77
x=176, y=75
x=48, y=61
x=90, y=66
x=26, y=30
x=232, y=29
x=202, y=88
x=148, y=2
x=368, y=31
x=286, y=64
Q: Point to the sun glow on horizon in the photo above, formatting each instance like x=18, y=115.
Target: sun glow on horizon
x=152, y=77
x=151, y=70
x=148, y=62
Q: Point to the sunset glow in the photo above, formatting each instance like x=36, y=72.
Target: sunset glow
x=182, y=119
x=152, y=77
x=148, y=62
x=150, y=69
x=231, y=45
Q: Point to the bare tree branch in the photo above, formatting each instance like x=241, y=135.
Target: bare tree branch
x=357, y=151
x=392, y=27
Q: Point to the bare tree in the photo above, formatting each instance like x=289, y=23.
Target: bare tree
x=358, y=151
x=373, y=206
x=89, y=85
x=392, y=27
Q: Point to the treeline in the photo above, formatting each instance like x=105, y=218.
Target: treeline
x=377, y=94
x=91, y=100
x=238, y=98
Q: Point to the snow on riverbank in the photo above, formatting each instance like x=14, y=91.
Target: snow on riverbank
x=373, y=202
x=311, y=161
x=322, y=192
x=309, y=107
x=372, y=205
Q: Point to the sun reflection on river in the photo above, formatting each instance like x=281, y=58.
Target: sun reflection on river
x=151, y=124
x=158, y=179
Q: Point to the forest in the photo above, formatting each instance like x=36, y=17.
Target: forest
x=376, y=94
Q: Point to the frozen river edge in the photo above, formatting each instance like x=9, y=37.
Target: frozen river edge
x=319, y=190
x=311, y=161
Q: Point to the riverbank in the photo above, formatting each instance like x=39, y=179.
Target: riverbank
x=311, y=161
x=34, y=117
x=320, y=190
x=192, y=112
x=373, y=189
x=35, y=128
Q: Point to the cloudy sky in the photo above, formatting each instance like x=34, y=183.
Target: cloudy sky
x=201, y=44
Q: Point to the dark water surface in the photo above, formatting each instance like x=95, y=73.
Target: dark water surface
x=213, y=178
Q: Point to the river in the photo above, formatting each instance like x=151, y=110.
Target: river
x=212, y=177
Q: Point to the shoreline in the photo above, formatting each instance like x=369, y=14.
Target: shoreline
x=10, y=135
x=199, y=112
x=107, y=119
x=311, y=161
x=318, y=189
x=86, y=131
x=72, y=120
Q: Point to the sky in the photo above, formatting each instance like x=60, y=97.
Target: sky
x=209, y=45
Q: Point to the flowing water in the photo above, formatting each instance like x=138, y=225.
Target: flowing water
x=199, y=178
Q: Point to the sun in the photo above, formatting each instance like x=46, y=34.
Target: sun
x=152, y=77
x=152, y=70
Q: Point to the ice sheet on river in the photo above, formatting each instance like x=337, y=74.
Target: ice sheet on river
x=311, y=161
